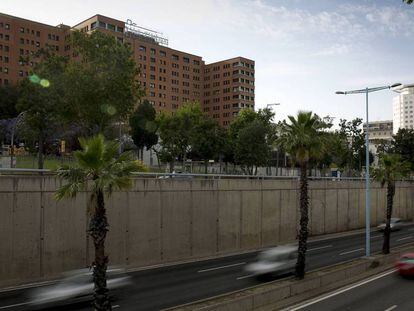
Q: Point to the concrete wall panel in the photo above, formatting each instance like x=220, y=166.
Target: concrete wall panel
x=288, y=215
x=317, y=211
x=229, y=221
x=144, y=228
x=176, y=225
x=251, y=219
x=343, y=210
x=271, y=218
x=331, y=211
x=204, y=223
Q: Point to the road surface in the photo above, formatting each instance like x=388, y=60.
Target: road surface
x=387, y=291
x=171, y=286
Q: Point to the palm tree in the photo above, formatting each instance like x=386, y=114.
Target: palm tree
x=100, y=171
x=390, y=168
x=304, y=139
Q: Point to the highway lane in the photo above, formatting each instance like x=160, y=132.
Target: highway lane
x=384, y=292
x=170, y=286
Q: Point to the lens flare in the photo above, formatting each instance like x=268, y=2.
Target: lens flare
x=44, y=83
x=34, y=79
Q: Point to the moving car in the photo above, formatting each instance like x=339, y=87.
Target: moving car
x=405, y=265
x=274, y=261
x=396, y=224
x=76, y=286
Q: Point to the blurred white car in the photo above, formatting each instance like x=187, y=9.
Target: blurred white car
x=77, y=285
x=395, y=224
x=274, y=261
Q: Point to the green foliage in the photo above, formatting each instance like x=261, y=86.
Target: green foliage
x=251, y=135
x=304, y=138
x=176, y=131
x=100, y=85
x=143, y=126
x=403, y=144
x=391, y=167
x=207, y=139
x=40, y=98
x=8, y=101
x=408, y=1
x=98, y=167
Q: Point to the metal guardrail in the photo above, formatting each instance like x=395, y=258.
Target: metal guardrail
x=16, y=171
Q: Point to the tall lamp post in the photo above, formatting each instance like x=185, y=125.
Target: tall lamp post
x=366, y=91
x=277, y=150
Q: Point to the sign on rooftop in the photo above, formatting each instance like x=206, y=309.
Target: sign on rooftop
x=134, y=29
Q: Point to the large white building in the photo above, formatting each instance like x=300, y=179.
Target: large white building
x=403, y=107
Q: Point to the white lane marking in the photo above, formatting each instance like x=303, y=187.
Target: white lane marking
x=244, y=277
x=15, y=305
x=340, y=291
x=317, y=248
x=391, y=308
x=376, y=236
x=353, y=251
x=222, y=267
x=115, y=306
x=407, y=237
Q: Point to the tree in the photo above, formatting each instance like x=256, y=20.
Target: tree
x=143, y=126
x=403, y=144
x=8, y=101
x=390, y=168
x=207, y=140
x=408, y=1
x=176, y=130
x=99, y=171
x=100, y=84
x=40, y=97
x=251, y=136
x=304, y=139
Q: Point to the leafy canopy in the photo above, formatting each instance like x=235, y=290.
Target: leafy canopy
x=390, y=168
x=98, y=167
x=304, y=138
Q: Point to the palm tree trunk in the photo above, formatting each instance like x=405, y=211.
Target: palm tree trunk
x=387, y=230
x=98, y=227
x=304, y=219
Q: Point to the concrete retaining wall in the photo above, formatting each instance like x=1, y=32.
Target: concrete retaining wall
x=162, y=221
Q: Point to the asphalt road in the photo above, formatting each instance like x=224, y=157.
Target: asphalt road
x=386, y=292
x=171, y=286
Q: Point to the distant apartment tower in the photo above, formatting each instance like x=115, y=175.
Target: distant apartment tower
x=403, y=107
x=169, y=77
x=380, y=131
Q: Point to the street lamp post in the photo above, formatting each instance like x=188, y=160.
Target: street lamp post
x=366, y=91
x=277, y=150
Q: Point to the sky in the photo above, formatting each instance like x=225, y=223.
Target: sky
x=304, y=50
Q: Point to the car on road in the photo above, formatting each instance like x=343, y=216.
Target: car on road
x=274, y=261
x=76, y=286
x=405, y=264
x=396, y=224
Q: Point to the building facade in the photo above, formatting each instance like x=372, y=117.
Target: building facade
x=169, y=77
x=403, y=107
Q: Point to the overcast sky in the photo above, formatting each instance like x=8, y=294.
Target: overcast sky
x=304, y=50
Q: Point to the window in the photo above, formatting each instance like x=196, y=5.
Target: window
x=21, y=73
x=186, y=60
x=152, y=68
x=175, y=57
x=37, y=43
x=21, y=29
x=152, y=59
x=142, y=48
x=102, y=24
x=7, y=26
x=6, y=59
x=152, y=85
x=111, y=27
x=119, y=29
x=152, y=51
x=93, y=25
x=163, y=53
x=196, y=62
x=6, y=70
x=37, y=33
